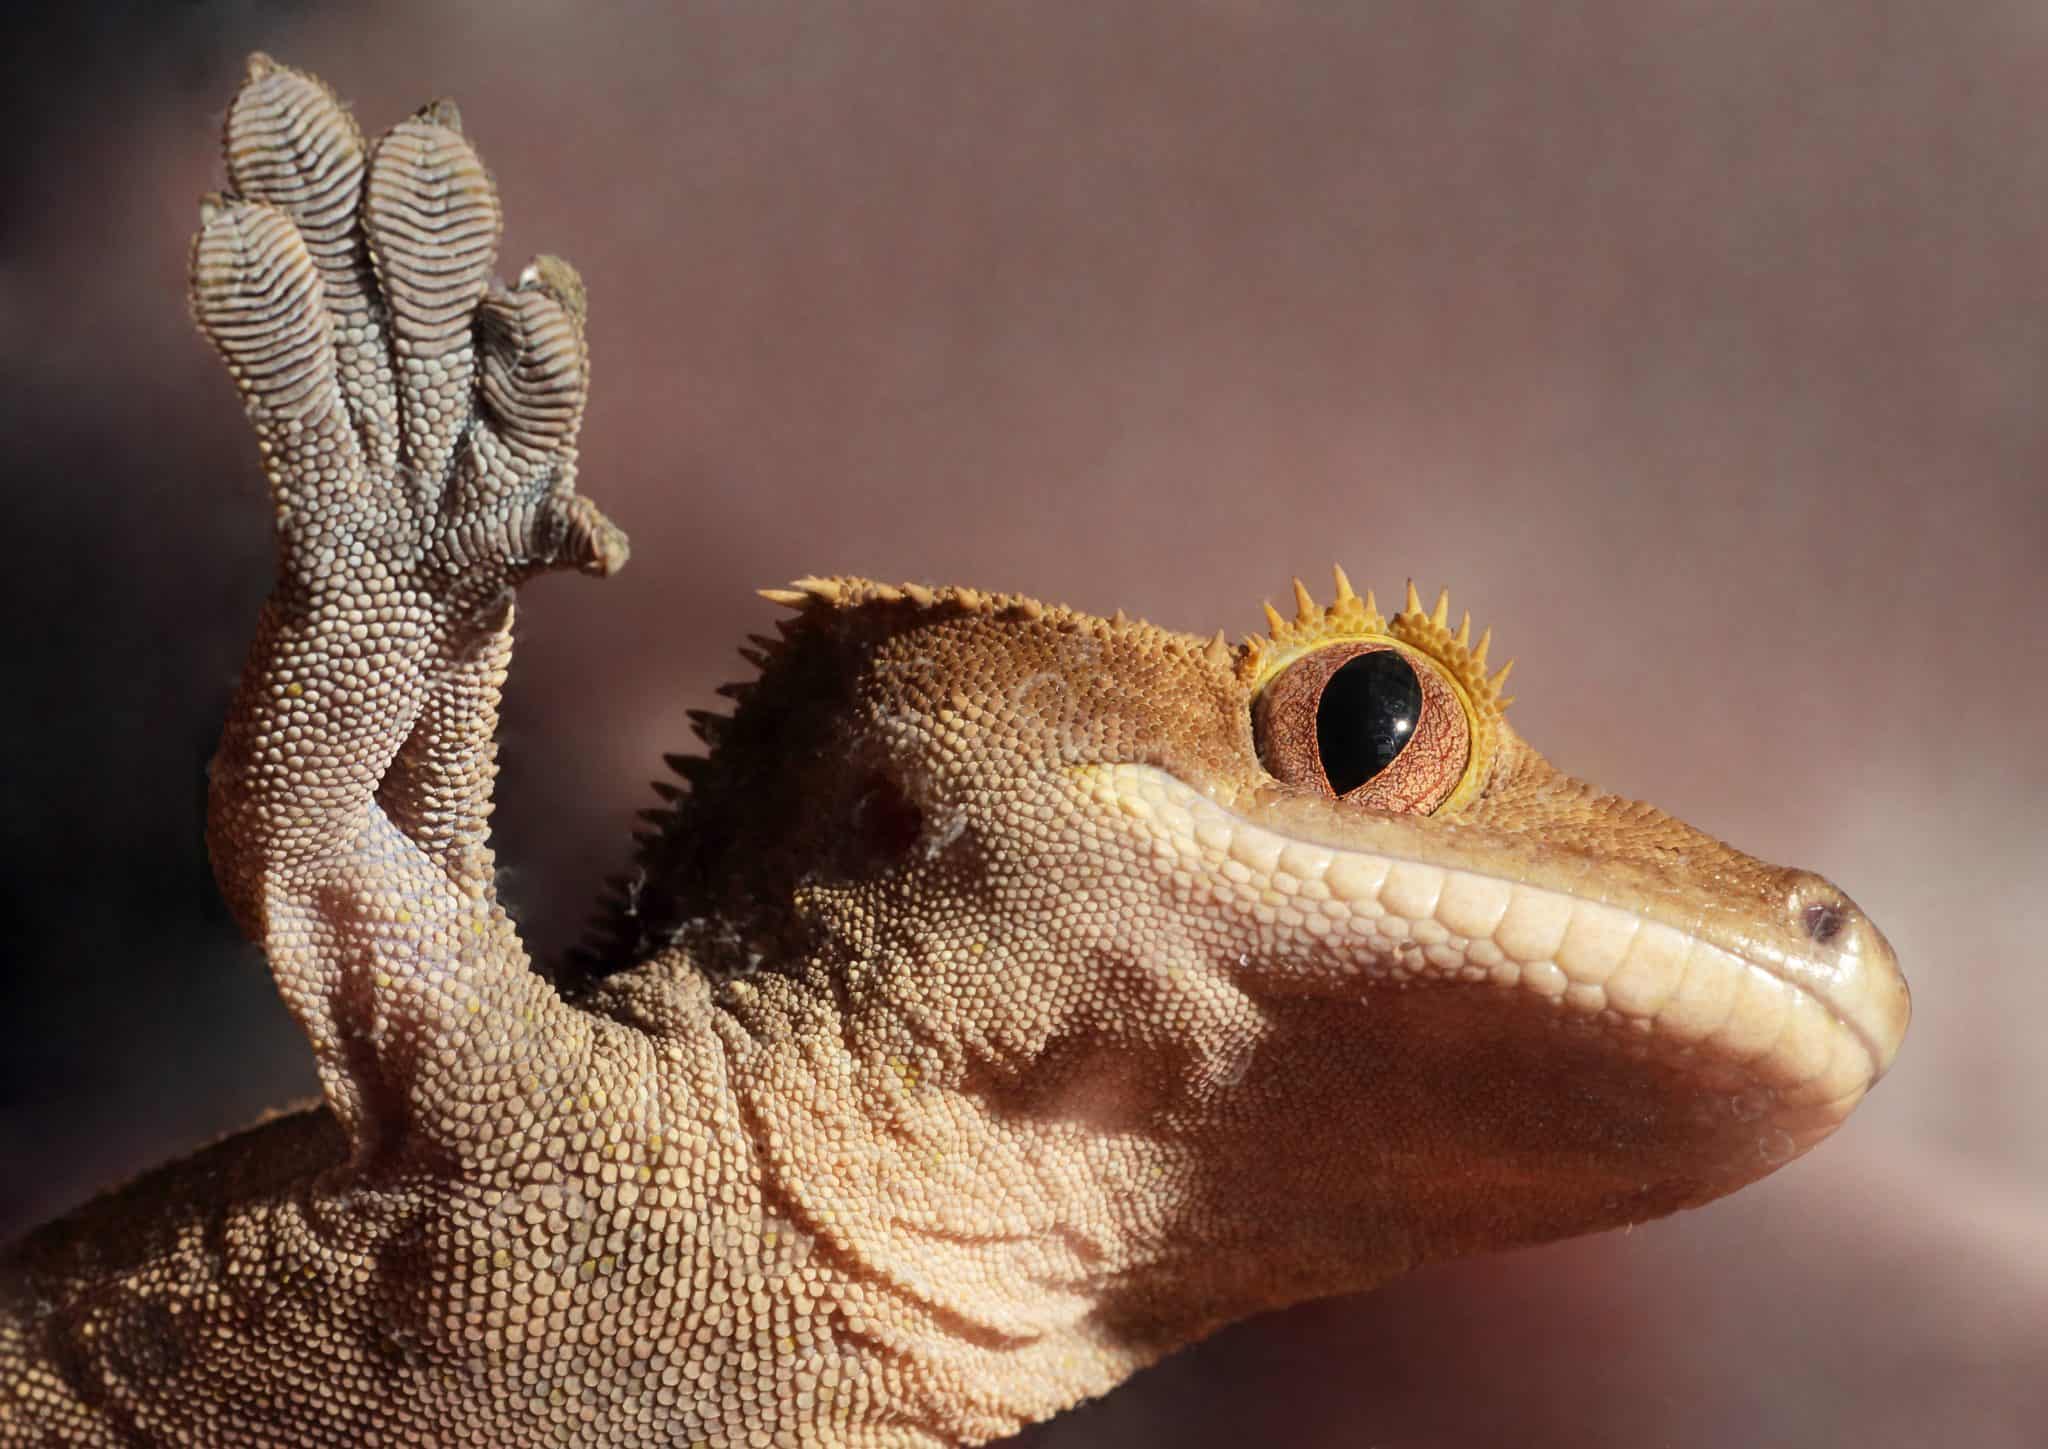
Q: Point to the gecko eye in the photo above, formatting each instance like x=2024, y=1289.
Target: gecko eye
x=1366, y=723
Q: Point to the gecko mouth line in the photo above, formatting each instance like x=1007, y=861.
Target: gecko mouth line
x=1817, y=1027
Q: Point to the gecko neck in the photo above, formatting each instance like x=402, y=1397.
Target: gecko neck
x=1085, y=1209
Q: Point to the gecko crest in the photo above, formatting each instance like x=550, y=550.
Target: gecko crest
x=637, y=915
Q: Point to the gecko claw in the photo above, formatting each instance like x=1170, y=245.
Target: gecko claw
x=554, y=277
x=443, y=112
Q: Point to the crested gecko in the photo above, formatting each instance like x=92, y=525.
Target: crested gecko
x=1005, y=998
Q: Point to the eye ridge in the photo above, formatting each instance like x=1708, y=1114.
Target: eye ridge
x=1455, y=745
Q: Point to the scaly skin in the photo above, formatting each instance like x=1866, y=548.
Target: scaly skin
x=986, y=1019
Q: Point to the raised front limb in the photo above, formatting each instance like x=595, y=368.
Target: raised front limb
x=524, y=1224
x=417, y=423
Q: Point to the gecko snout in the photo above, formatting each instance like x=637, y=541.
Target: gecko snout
x=1854, y=970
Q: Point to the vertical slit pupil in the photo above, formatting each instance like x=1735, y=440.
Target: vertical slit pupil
x=1366, y=717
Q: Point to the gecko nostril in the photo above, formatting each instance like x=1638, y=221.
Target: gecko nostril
x=1821, y=909
x=1824, y=920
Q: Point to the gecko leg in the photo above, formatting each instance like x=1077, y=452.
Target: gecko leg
x=417, y=423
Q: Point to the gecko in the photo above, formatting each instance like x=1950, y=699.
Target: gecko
x=1003, y=998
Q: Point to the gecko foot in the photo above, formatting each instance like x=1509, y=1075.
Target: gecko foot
x=417, y=418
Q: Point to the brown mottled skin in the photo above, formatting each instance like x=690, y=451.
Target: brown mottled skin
x=999, y=1007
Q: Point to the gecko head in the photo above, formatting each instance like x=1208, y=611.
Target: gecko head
x=1301, y=922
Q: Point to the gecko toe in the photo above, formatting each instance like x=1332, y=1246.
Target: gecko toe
x=536, y=372
x=290, y=142
x=432, y=218
x=257, y=295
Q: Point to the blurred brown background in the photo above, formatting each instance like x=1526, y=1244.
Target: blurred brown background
x=1698, y=346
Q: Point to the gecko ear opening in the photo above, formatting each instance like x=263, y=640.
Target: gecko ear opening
x=887, y=822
